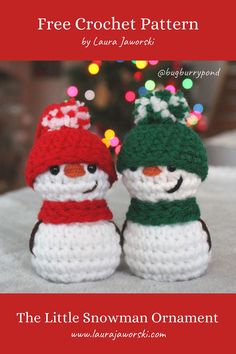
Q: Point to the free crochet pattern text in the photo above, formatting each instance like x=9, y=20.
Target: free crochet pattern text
x=114, y=24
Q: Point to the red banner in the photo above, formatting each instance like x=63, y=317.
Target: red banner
x=177, y=30
x=158, y=323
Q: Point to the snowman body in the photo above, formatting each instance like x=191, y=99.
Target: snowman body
x=167, y=252
x=76, y=252
x=65, y=250
x=69, y=166
x=163, y=162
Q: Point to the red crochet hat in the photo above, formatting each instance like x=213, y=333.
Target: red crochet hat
x=61, y=137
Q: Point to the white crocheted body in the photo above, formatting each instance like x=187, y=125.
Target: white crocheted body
x=76, y=252
x=168, y=252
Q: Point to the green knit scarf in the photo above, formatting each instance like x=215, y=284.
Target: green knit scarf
x=163, y=212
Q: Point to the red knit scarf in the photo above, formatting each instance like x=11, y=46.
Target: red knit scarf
x=68, y=212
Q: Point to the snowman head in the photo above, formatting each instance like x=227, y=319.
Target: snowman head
x=155, y=183
x=73, y=181
x=162, y=158
x=67, y=161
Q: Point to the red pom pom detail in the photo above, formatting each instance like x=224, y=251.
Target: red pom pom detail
x=71, y=114
x=83, y=109
x=59, y=114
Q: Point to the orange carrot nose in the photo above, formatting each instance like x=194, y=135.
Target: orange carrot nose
x=74, y=170
x=151, y=171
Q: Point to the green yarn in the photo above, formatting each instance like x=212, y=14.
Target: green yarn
x=163, y=212
x=164, y=144
x=161, y=137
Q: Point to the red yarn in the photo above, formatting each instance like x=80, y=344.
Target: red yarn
x=68, y=145
x=57, y=106
x=69, y=212
x=83, y=122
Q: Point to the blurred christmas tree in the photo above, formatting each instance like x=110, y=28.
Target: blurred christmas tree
x=110, y=88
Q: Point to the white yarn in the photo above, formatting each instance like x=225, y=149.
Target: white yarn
x=159, y=105
x=54, y=123
x=62, y=188
x=167, y=253
x=57, y=123
x=154, y=188
x=166, y=114
x=76, y=252
x=141, y=110
x=176, y=100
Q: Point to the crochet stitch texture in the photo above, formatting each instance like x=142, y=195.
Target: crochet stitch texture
x=164, y=144
x=163, y=162
x=68, y=145
x=164, y=212
x=74, y=239
x=158, y=106
x=69, y=212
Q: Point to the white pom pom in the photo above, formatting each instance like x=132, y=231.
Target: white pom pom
x=165, y=113
x=156, y=103
x=141, y=110
x=160, y=107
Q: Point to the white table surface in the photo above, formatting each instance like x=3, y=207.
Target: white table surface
x=226, y=140
x=217, y=198
x=221, y=149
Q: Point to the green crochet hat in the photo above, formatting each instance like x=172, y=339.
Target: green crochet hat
x=161, y=137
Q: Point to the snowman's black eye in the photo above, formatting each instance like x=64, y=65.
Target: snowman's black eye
x=54, y=170
x=171, y=168
x=133, y=169
x=92, y=168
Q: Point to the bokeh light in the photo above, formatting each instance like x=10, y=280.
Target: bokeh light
x=187, y=84
x=150, y=85
x=142, y=91
x=198, y=107
x=106, y=142
x=72, y=91
x=138, y=76
x=109, y=134
x=141, y=64
x=198, y=115
x=130, y=96
x=114, y=141
x=89, y=95
x=117, y=149
x=171, y=88
x=153, y=62
x=202, y=124
x=192, y=120
x=93, y=68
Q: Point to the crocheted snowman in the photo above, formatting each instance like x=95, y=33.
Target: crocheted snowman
x=163, y=163
x=74, y=239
